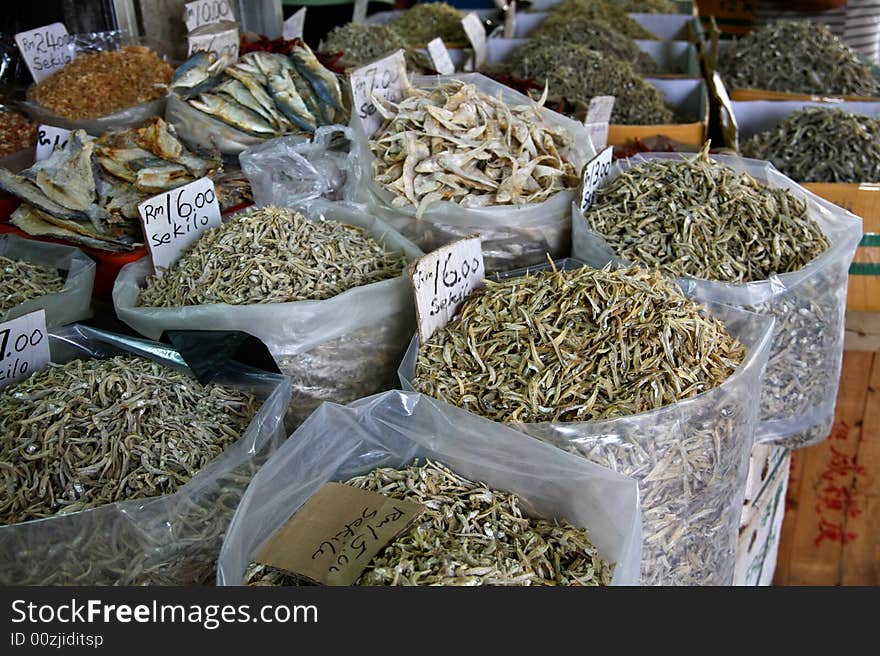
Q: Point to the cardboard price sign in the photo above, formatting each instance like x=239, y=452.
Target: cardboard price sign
x=595, y=173
x=205, y=12
x=48, y=138
x=598, y=118
x=442, y=280
x=385, y=78
x=46, y=49
x=24, y=347
x=293, y=26
x=222, y=39
x=335, y=534
x=440, y=57
x=476, y=34
x=173, y=221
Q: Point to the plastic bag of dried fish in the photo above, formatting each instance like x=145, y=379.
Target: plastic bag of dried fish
x=342, y=347
x=393, y=429
x=809, y=303
x=640, y=381
x=65, y=298
x=514, y=232
x=172, y=539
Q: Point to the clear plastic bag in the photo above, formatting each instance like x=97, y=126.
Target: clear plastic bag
x=288, y=170
x=339, y=349
x=513, y=235
x=690, y=459
x=169, y=540
x=800, y=388
x=391, y=430
x=71, y=304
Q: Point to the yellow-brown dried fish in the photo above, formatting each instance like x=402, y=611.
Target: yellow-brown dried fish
x=22, y=281
x=452, y=142
x=469, y=535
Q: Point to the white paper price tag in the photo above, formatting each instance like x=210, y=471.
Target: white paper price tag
x=440, y=58
x=220, y=38
x=359, y=15
x=205, y=12
x=510, y=21
x=476, y=34
x=24, y=347
x=442, y=279
x=173, y=221
x=598, y=118
x=595, y=172
x=48, y=138
x=46, y=49
x=386, y=78
x=293, y=26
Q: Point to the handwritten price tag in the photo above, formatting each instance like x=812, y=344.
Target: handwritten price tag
x=173, y=221
x=293, y=26
x=205, y=12
x=510, y=20
x=24, y=347
x=386, y=78
x=476, y=34
x=46, y=49
x=440, y=57
x=594, y=174
x=220, y=38
x=359, y=14
x=443, y=279
x=598, y=118
x=334, y=535
x=48, y=138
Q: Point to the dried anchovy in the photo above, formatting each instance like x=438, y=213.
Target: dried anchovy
x=469, y=535
x=424, y=22
x=17, y=132
x=101, y=83
x=821, y=144
x=602, y=10
x=647, y=6
x=702, y=219
x=578, y=73
x=599, y=36
x=581, y=345
x=272, y=255
x=361, y=43
x=797, y=57
x=88, y=433
x=455, y=143
x=22, y=281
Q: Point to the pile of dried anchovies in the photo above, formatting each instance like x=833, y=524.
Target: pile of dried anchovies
x=424, y=22
x=699, y=218
x=272, y=255
x=577, y=73
x=22, y=281
x=602, y=10
x=569, y=346
x=469, y=535
x=361, y=43
x=797, y=57
x=647, y=6
x=91, y=432
x=452, y=142
x=821, y=144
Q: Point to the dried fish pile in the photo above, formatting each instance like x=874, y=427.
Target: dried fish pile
x=821, y=144
x=602, y=10
x=263, y=94
x=361, y=43
x=570, y=346
x=452, y=142
x=424, y=22
x=88, y=433
x=797, y=57
x=23, y=281
x=596, y=35
x=272, y=255
x=469, y=535
x=88, y=192
x=97, y=84
x=647, y=6
x=577, y=73
x=701, y=219
x=16, y=132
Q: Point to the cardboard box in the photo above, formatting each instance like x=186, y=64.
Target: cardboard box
x=686, y=95
x=733, y=17
x=863, y=293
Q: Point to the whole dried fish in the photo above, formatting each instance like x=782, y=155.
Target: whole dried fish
x=821, y=144
x=699, y=218
x=22, y=281
x=469, y=535
x=452, y=142
x=88, y=433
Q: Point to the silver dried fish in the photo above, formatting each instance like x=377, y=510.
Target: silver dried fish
x=22, y=281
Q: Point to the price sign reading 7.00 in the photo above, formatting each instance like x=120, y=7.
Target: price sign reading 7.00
x=24, y=347
x=385, y=78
